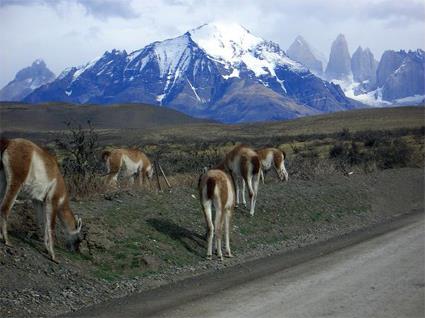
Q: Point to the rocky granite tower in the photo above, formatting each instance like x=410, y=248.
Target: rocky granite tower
x=363, y=66
x=339, y=65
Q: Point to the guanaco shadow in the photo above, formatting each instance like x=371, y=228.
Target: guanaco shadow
x=181, y=234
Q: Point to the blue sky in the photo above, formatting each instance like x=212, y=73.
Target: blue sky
x=71, y=32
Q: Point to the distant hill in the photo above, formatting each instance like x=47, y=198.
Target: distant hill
x=354, y=120
x=138, y=124
x=42, y=117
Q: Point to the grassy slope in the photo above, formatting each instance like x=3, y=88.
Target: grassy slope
x=168, y=228
x=15, y=116
x=154, y=124
x=356, y=120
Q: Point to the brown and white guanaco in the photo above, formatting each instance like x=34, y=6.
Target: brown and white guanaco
x=133, y=163
x=273, y=158
x=216, y=190
x=243, y=164
x=28, y=169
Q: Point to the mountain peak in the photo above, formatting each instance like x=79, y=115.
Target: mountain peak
x=340, y=37
x=301, y=51
x=38, y=62
x=339, y=66
x=27, y=80
x=363, y=66
x=223, y=40
x=232, y=45
x=300, y=40
x=223, y=27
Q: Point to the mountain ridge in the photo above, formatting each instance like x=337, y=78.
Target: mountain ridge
x=197, y=73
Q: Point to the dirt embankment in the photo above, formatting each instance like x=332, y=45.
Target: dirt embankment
x=139, y=240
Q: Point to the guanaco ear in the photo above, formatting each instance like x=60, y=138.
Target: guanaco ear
x=205, y=170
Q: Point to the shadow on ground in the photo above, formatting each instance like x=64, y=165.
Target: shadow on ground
x=189, y=239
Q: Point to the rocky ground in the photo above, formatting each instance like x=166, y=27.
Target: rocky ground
x=140, y=240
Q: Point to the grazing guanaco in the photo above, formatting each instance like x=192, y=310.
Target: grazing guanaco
x=216, y=189
x=273, y=158
x=28, y=169
x=244, y=165
x=134, y=164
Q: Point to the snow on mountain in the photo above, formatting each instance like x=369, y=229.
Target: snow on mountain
x=399, y=79
x=210, y=71
x=173, y=55
x=225, y=42
x=233, y=45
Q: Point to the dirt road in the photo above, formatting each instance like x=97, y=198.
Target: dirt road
x=360, y=275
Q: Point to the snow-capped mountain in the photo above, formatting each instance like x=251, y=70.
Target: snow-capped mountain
x=301, y=51
x=218, y=70
x=26, y=81
x=399, y=79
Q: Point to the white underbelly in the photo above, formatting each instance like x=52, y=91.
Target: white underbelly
x=36, y=190
x=267, y=162
x=37, y=184
x=131, y=167
x=230, y=194
x=235, y=166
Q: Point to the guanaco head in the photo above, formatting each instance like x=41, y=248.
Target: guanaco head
x=74, y=237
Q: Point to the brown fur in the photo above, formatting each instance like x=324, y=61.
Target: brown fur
x=277, y=158
x=256, y=164
x=3, y=144
x=224, y=194
x=210, y=188
x=105, y=155
x=244, y=167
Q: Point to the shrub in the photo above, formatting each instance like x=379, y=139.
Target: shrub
x=80, y=165
x=344, y=134
x=393, y=154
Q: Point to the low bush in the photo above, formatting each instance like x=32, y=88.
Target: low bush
x=81, y=164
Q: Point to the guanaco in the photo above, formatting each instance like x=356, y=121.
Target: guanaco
x=134, y=164
x=216, y=189
x=273, y=158
x=28, y=169
x=243, y=164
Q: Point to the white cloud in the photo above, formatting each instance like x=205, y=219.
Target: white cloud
x=101, y=9
x=71, y=32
